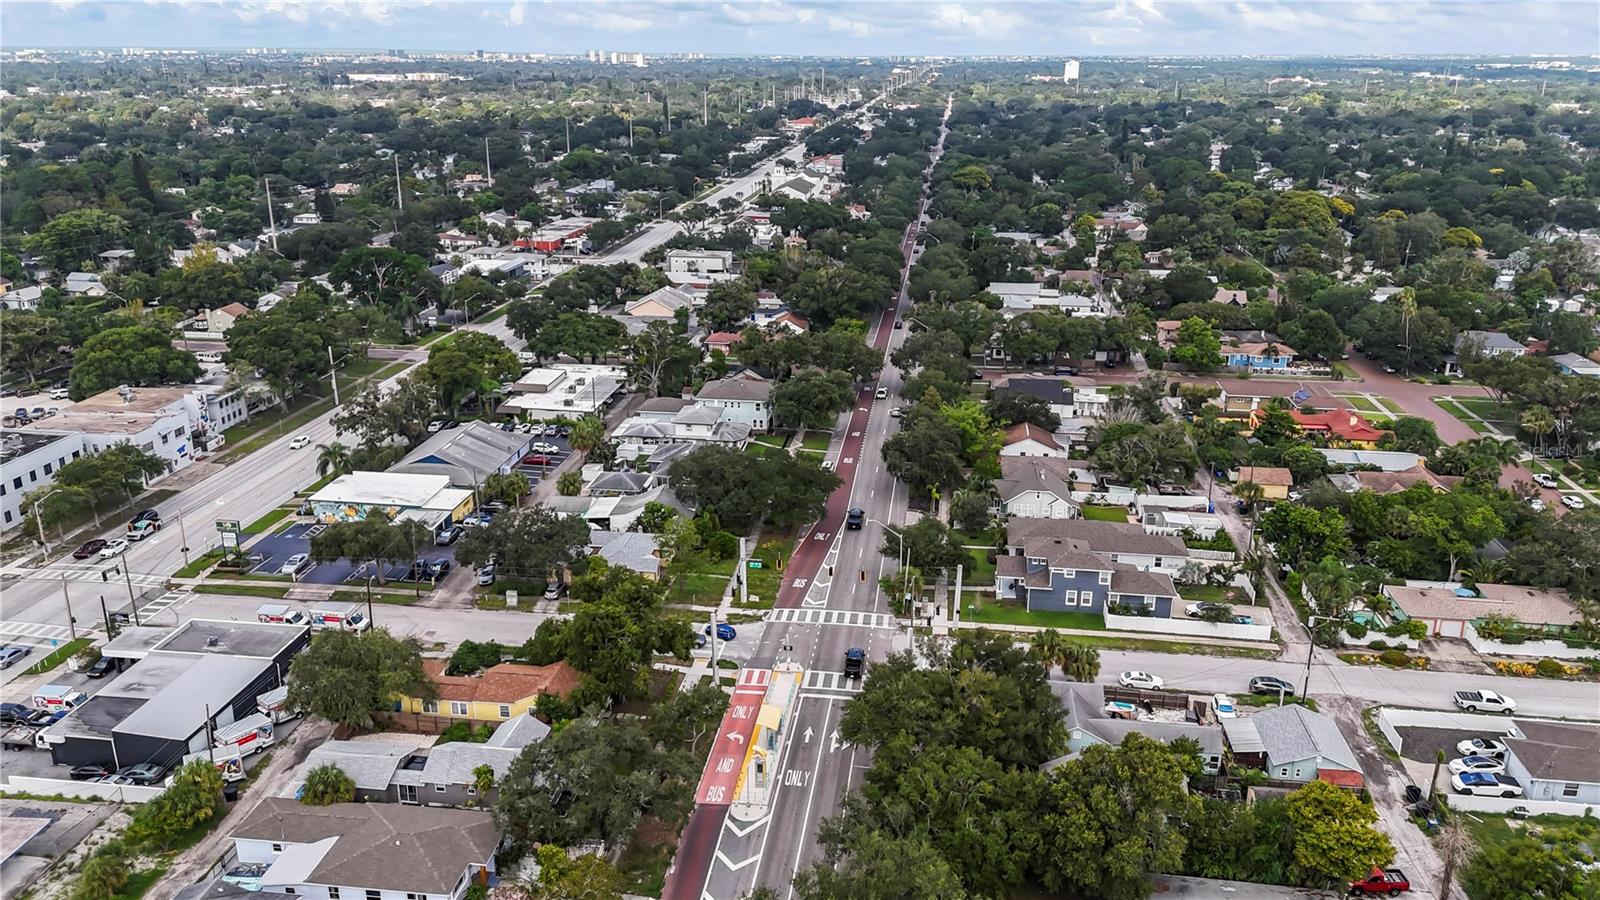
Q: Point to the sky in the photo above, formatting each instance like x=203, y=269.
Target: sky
x=1052, y=28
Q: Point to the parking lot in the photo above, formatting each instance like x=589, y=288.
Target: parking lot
x=536, y=470
x=276, y=549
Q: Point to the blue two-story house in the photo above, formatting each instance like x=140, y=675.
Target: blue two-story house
x=1060, y=577
x=1256, y=350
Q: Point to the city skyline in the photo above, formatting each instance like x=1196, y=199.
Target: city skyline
x=769, y=27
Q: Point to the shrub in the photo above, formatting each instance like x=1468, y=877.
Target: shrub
x=1356, y=630
x=1395, y=658
x=1514, y=638
x=1379, y=645
x=1549, y=668
x=327, y=784
x=721, y=545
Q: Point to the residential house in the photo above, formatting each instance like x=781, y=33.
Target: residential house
x=1027, y=439
x=662, y=303
x=221, y=319
x=1449, y=608
x=800, y=188
x=858, y=212
x=455, y=240
x=1342, y=426
x=1089, y=723
x=1126, y=544
x=345, y=189
x=1067, y=400
x=1059, y=575
x=699, y=265
x=633, y=550
x=744, y=397
x=84, y=284
x=377, y=851
x=1230, y=295
x=1485, y=343
x=1391, y=482
x=1576, y=364
x=722, y=341
x=1018, y=297
x=1274, y=481
x=1292, y=743
x=1256, y=350
x=1556, y=761
x=1036, y=488
x=22, y=298
x=116, y=260
x=1382, y=460
x=308, y=218
x=693, y=425
x=496, y=694
x=1177, y=523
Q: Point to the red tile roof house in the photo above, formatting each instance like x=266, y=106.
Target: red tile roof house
x=722, y=340
x=1027, y=439
x=1340, y=424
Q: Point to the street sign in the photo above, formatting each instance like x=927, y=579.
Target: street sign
x=755, y=564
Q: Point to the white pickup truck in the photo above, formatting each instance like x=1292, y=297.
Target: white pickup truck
x=1485, y=701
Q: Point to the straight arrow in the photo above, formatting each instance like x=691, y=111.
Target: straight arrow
x=808, y=734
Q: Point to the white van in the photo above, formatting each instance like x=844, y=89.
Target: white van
x=209, y=356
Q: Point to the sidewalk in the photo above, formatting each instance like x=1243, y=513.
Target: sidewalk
x=1137, y=635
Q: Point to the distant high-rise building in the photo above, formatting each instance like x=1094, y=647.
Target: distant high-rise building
x=1069, y=71
x=478, y=54
x=638, y=60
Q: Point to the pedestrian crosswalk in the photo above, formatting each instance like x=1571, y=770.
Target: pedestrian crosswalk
x=754, y=678
x=160, y=603
x=103, y=572
x=819, y=680
x=34, y=634
x=813, y=616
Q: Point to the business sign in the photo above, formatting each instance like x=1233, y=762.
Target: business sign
x=229, y=530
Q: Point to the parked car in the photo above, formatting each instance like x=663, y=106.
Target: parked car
x=115, y=778
x=1244, y=620
x=486, y=575
x=1572, y=501
x=438, y=568
x=1485, y=784
x=114, y=548
x=1066, y=370
x=295, y=564
x=1222, y=705
x=1535, y=504
x=477, y=520
x=1477, y=764
x=142, y=773
x=1269, y=684
x=299, y=442
x=100, y=668
x=1485, y=701
x=1142, y=680
x=14, y=713
x=854, y=518
x=536, y=459
x=1197, y=610
x=1482, y=746
x=89, y=548
x=92, y=772
x=553, y=589
x=1392, y=882
x=564, y=431
x=448, y=535
x=435, y=426
x=725, y=631
x=1543, y=480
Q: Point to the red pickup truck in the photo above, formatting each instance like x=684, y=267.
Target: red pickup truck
x=1382, y=881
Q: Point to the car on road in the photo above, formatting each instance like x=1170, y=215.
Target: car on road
x=142, y=773
x=898, y=324
x=1223, y=706
x=1391, y=882
x=92, y=772
x=1199, y=610
x=1268, y=684
x=1572, y=501
x=853, y=518
x=448, y=535
x=114, y=548
x=1142, y=680
x=1485, y=701
x=1477, y=764
x=881, y=393
x=1543, y=480
x=138, y=531
x=14, y=713
x=299, y=442
x=294, y=564
x=1066, y=370
x=145, y=515
x=1535, y=504
x=855, y=660
x=536, y=459
x=89, y=548
x=896, y=413
x=1482, y=746
x=725, y=631
x=1485, y=784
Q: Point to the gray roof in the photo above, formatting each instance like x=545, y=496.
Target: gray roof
x=478, y=447
x=519, y=732
x=454, y=762
x=381, y=846
x=1090, y=534
x=668, y=296
x=630, y=549
x=1112, y=731
x=369, y=763
x=1050, y=390
x=1290, y=733
x=669, y=405
x=178, y=708
x=699, y=415
x=1552, y=751
x=619, y=483
x=1489, y=341
x=1128, y=580
x=746, y=385
x=1033, y=474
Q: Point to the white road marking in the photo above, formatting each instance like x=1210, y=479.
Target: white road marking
x=811, y=796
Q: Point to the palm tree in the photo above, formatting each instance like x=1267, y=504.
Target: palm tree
x=1455, y=847
x=587, y=434
x=1488, y=571
x=332, y=459
x=1539, y=422
x=1049, y=646
x=1080, y=662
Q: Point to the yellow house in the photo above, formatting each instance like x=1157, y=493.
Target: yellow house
x=497, y=693
x=1274, y=482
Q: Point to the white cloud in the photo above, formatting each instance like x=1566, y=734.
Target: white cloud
x=767, y=12
x=516, y=13
x=852, y=27
x=987, y=22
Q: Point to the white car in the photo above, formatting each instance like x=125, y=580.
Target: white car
x=299, y=442
x=114, y=548
x=1140, y=680
x=1485, y=784
x=1535, y=504
x=882, y=393
x=1481, y=746
x=1477, y=764
x=1222, y=705
x=1571, y=501
x=542, y=447
x=1543, y=480
x=294, y=564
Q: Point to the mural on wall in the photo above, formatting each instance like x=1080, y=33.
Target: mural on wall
x=330, y=513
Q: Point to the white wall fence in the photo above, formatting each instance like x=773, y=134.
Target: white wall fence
x=1213, y=555
x=1195, y=627
x=1535, y=649
x=50, y=787
x=1243, y=583
x=1392, y=718
x=1506, y=804
x=1376, y=634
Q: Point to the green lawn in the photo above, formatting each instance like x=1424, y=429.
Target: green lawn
x=353, y=596
x=242, y=590
x=771, y=440
x=1152, y=645
x=495, y=315
x=58, y=656
x=980, y=571
x=765, y=581
x=816, y=440
x=990, y=538
x=697, y=589
x=757, y=449
x=1450, y=406
x=1006, y=613
x=1204, y=593
x=1105, y=513
x=267, y=521
x=199, y=564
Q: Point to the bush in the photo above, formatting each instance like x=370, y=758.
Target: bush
x=192, y=799
x=473, y=656
x=327, y=784
x=1396, y=658
x=1356, y=630
x=1549, y=668
x=1416, y=629
x=721, y=545
x=1514, y=638
x=1379, y=645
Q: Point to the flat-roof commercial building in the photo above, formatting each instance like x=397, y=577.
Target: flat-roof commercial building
x=28, y=461
x=427, y=498
x=466, y=455
x=202, y=675
x=563, y=391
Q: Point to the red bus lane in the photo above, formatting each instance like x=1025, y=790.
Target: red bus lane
x=732, y=745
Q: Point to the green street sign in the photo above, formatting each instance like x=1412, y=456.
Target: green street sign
x=755, y=563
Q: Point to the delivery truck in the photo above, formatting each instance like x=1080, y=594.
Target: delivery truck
x=251, y=734
x=274, y=704
x=228, y=760
x=54, y=697
x=351, y=619
x=278, y=614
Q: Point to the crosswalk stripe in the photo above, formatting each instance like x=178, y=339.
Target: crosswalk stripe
x=842, y=617
x=34, y=634
x=823, y=680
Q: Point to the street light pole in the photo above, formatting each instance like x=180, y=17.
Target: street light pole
x=1311, y=649
x=40, y=522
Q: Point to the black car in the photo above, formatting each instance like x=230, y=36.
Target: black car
x=14, y=713
x=100, y=668
x=1066, y=370
x=91, y=772
x=854, y=518
x=1267, y=684
x=145, y=515
x=855, y=659
x=438, y=569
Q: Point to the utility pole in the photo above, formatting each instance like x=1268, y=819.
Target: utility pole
x=72, y=624
x=183, y=535
x=705, y=108
x=488, y=167
x=272, y=224
x=744, y=584
x=399, y=195
x=569, y=134
x=333, y=376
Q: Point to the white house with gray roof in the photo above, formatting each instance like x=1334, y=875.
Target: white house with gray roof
x=744, y=397
x=1486, y=343
x=1292, y=743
